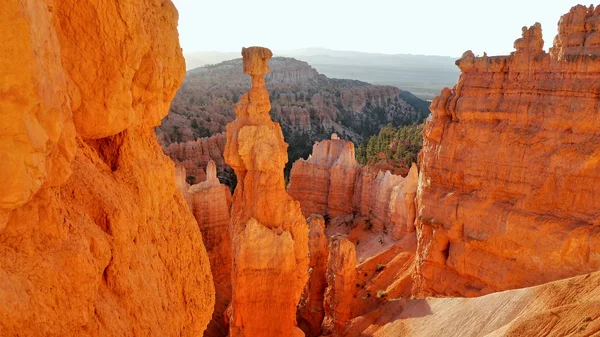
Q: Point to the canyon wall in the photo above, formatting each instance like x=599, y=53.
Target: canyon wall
x=95, y=238
x=269, y=234
x=306, y=104
x=510, y=167
x=331, y=183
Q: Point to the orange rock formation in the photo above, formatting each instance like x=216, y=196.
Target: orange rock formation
x=341, y=286
x=211, y=203
x=330, y=182
x=195, y=155
x=510, y=166
x=269, y=234
x=324, y=183
x=95, y=239
x=310, y=310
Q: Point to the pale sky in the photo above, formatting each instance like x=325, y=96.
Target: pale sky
x=431, y=27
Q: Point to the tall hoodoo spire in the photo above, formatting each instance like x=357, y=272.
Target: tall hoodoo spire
x=269, y=233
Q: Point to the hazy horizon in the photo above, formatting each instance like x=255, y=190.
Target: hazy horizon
x=284, y=52
x=432, y=27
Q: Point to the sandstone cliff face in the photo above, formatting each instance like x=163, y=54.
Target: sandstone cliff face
x=269, y=233
x=330, y=182
x=95, y=239
x=510, y=166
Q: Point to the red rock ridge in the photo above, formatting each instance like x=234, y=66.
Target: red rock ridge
x=303, y=101
x=95, y=239
x=510, y=165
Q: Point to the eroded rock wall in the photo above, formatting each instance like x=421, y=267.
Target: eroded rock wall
x=510, y=167
x=95, y=238
x=331, y=183
x=324, y=183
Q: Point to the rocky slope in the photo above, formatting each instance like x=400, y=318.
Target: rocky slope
x=392, y=149
x=269, y=234
x=561, y=308
x=95, y=238
x=308, y=105
x=510, y=167
x=303, y=102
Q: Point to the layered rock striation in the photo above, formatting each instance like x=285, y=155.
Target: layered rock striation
x=95, y=238
x=314, y=184
x=269, y=234
x=510, y=164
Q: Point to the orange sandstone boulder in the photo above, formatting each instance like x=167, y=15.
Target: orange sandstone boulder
x=37, y=141
x=95, y=238
x=310, y=310
x=510, y=164
x=269, y=234
x=129, y=88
